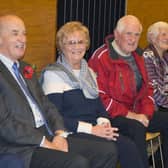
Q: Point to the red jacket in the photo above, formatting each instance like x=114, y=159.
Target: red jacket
x=117, y=84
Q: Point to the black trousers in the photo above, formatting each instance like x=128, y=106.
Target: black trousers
x=124, y=145
x=10, y=161
x=137, y=132
x=129, y=156
x=83, y=153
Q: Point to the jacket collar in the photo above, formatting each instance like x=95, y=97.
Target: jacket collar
x=112, y=53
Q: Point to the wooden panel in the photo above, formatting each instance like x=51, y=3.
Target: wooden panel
x=40, y=20
x=148, y=11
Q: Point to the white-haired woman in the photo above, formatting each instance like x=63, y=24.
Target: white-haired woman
x=156, y=59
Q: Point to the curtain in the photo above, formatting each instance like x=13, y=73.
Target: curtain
x=100, y=16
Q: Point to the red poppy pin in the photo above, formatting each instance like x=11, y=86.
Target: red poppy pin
x=28, y=71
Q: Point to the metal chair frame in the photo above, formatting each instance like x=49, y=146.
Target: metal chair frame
x=150, y=137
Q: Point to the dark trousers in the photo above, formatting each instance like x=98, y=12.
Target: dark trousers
x=83, y=153
x=159, y=123
x=10, y=161
x=137, y=132
x=124, y=145
x=129, y=156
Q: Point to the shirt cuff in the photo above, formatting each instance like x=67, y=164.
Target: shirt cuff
x=42, y=141
x=102, y=120
x=84, y=127
x=65, y=134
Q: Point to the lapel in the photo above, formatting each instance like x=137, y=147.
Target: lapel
x=10, y=79
x=30, y=83
x=12, y=88
x=13, y=83
x=33, y=88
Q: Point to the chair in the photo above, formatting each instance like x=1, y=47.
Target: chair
x=150, y=137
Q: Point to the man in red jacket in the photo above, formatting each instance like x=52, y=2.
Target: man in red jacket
x=124, y=87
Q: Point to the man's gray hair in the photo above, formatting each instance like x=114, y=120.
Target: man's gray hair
x=122, y=23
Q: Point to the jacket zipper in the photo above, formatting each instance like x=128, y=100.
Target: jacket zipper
x=121, y=81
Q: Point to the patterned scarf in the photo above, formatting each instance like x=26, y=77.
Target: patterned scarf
x=86, y=82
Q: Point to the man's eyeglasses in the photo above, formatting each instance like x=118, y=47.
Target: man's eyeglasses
x=75, y=42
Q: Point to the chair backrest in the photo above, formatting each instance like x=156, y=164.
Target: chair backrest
x=150, y=135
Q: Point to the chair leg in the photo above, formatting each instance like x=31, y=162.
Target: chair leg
x=161, y=154
x=153, y=159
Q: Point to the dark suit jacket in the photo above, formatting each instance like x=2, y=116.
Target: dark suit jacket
x=17, y=127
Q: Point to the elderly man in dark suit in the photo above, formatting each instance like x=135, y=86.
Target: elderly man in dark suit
x=29, y=124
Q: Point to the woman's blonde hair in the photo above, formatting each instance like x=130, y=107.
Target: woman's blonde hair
x=69, y=28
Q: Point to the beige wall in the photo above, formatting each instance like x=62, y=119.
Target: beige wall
x=40, y=20
x=148, y=11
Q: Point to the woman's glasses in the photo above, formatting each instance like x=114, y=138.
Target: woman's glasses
x=75, y=42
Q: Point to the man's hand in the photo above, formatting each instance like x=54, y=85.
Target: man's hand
x=142, y=118
x=105, y=131
x=47, y=144
x=58, y=143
